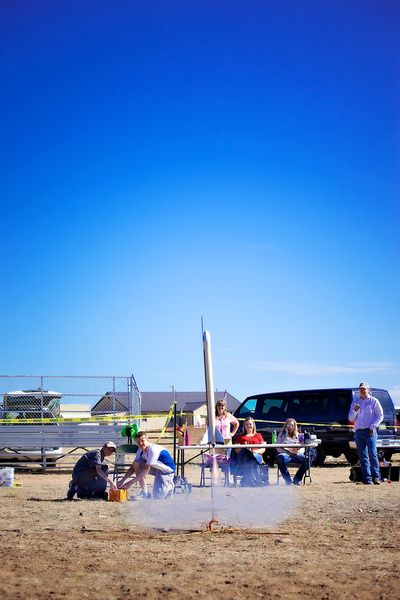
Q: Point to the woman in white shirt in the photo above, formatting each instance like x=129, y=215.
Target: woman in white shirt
x=286, y=456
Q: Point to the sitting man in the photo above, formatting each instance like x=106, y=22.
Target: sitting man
x=153, y=459
x=90, y=475
x=287, y=456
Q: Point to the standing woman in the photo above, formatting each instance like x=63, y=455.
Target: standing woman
x=286, y=456
x=224, y=420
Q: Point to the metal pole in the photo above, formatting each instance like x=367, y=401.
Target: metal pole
x=41, y=397
x=113, y=404
x=129, y=388
x=174, y=401
x=43, y=450
x=139, y=400
x=208, y=372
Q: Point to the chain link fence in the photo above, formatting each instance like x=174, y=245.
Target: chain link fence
x=50, y=396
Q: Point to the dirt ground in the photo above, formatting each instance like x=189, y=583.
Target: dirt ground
x=338, y=540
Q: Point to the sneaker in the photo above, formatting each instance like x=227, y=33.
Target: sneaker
x=377, y=482
x=72, y=489
x=143, y=496
x=296, y=482
x=367, y=482
x=171, y=491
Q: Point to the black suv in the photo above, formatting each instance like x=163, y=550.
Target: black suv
x=323, y=412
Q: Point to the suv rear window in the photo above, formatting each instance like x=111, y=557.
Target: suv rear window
x=301, y=407
x=318, y=406
x=248, y=408
x=385, y=400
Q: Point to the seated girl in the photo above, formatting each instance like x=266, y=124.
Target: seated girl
x=248, y=462
x=287, y=456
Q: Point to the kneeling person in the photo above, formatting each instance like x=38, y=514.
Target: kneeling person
x=90, y=475
x=153, y=459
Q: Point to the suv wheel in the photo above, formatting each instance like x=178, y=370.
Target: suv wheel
x=351, y=456
x=321, y=455
x=387, y=454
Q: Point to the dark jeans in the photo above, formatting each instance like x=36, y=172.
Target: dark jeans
x=90, y=485
x=283, y=459
x=238, y=459
x=253, y=472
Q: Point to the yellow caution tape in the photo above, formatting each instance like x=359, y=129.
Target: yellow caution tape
x=126, y=418
x=96, y=419
x=167, y=420
x=302, y=423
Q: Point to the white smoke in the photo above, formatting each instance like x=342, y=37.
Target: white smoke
x=231, y=507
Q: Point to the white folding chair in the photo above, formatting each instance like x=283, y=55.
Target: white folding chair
x=122, y=464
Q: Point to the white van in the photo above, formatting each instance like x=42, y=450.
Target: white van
x=29, y=404
x=32, y=401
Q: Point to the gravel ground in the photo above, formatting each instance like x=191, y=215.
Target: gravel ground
x=331, y=539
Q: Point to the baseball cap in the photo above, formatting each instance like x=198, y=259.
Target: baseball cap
x=363, y=386
x=110, y=445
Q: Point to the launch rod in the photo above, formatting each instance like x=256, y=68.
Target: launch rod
x=208, y=372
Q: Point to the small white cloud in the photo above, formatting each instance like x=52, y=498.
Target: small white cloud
x=313, y=369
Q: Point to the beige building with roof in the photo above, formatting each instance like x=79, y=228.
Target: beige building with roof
x=191, y=407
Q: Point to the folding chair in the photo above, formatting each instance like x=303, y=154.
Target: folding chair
x=121, y=463
x=307, y=475
x=181, y=484
x=222, y=463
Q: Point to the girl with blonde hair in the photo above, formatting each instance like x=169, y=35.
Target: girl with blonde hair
x=286, y=456
x=247, y=461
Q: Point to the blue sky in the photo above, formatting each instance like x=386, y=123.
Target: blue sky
x=164, y=162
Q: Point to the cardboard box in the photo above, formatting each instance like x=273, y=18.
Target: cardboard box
x=117, y=496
